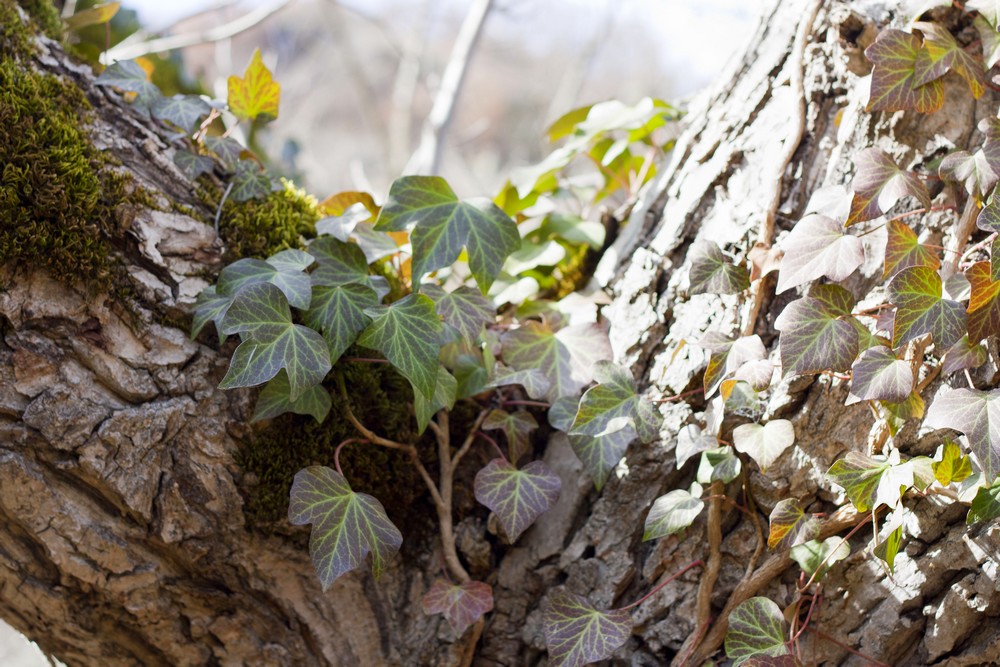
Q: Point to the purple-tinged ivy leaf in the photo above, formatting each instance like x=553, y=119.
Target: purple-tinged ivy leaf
x=790, y=525
x=903, y=250
x=192, y=164
x=894, y=86
x=813, y=555
x=963, y=355
x=713, y=273
x=994, y=262
x=879, y=183
x=465, y=309
x=814, y=338
x=942, y=53
x=756, y=629
x=600, y=455
x=836, y=299
x=916, y=293
x=613, y=404
x=577, y=634
x=518, y=497
x=347, y=526
x=671, y=513
x=984, y=304
x=517, y=426
x=974, y=413
x=859, y=475
x=566, y=357
x=728, y=356
x=990, y=39
x=953, y=466
x=818, y=246
x=878, y=375
x=764, y=444
x=989, y=217
x=461, y=604
x=986, y=504
x=973, y=171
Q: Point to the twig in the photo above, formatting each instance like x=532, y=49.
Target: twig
x=493, y=442
x=218, y=211
x=703, y=601
x=662, y=584
x=336, y=452
x=966, y=225
x=470, y=438
x=847, y=648
x=758, y=529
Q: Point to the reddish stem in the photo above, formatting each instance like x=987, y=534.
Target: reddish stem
x=495, y=445
x=847, y=648
x=367, y=360
x=532, y=404
x=677, y=397
x=660, y=586
x=336, y=452
x=812, y=605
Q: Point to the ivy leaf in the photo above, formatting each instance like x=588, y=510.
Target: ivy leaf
x=577, y=634
x=445, y=393
x=129, y=76
x=770, y=661
x=974, y=413
x=275, y=399
x=879, y=183
x=272, y=342
x=942, y=53
x=250, y=182
x=894, y=86
x=817, y=247
x=284, y=272
x=974, y=171
x=812, y=554
x=728, y=356
x=888, y=548
x=988, y=9
x=445, y=224
x=963, y=355
x=533, y=380
x=338, y=263
x=990, y=39
x=953, y=466
x=720, y=464
x=184, y=111
x=916, y=293
x=691, y=441
x=790, y=525
x=210, y=307
x=859, y=475
x=461, y=604
x=614, y=403
x=517, y=426
x=347, y=526
x=256, y=94
x=95, y=15
x=671, y=513
x=814, y=338
x=227, y=149
x=986, y=504
x=517, y=497
x=903, y=250
x=192, y=164
x=600, y=455
x=464, y=309
x=984, y=304
x=764, y=444
x=713, y=273
x=339, y=314
x=756, y=629
x=878, y=375
x=408, y=333
x=566, y=357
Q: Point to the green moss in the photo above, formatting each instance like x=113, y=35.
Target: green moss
x=45, y=15
x=15, y=38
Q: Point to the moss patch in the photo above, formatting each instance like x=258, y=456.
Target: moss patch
x=45, y=15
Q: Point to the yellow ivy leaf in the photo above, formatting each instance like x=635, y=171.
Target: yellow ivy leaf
x=96, y=15
x=256, y=94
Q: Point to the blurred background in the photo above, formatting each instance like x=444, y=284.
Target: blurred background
x=360, y=78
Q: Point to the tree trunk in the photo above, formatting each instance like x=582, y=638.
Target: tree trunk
x=124, y=538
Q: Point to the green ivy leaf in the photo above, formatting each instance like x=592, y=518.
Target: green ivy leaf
x=888, y=548
x=346, y=525
x=577, y=634
x=790, y=525
x=974, y=171
x=338, y=263
x=600, y=455
x=445, y=393
x=756, y=628
x=613, y=404
x=894, y=86
x=461, y=604
x=566, y=357
x=250, y=182
x=183, y=111
x=764, y=444
x=275, y=399
x=728, y=356
x=986, y=504
x=720, y=464
x=984, y=304
x=988, y=9
x=812, y=554
x=192, y=164
x=814, y=338
x=464, y=309
x=532, y=379
x=860, y=476
x=916, y=293
x=974, y=413
x=446, y=224
x=408, y=333
x=339, y=314
x=941, y=53
x=517, y=497
x=129, y=76
x=227, y=149
x=272, y=342
x=878, y=375
x=903, y=250
x=671, y=513
x=516, y=426
x=818, y=246
x=879, y=183
x=713, y=273
x=210, y=306
x=953, y=466
x=284, y=271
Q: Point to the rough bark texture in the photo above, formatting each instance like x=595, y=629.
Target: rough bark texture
x=123, y=539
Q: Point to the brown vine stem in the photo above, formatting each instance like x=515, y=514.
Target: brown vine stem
x=766, y=232
x=966, y=225
x=703, y=601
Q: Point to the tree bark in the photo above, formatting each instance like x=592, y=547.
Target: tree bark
x=123, y=537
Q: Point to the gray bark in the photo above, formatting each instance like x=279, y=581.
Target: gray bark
x=123, y=539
